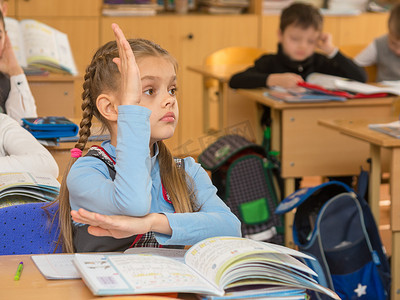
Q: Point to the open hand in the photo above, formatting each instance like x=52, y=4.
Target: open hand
x=131, y=85
x=115, y=226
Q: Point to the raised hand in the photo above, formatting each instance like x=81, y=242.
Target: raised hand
x=8, y=62
x=131, y=85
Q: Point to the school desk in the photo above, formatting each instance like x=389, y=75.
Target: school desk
x=32, y=285
x=53, y=93
x=357, y=129
x=61, y=152
x=231, y=110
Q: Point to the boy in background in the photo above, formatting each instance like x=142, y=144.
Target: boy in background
x=384, y=51
x=300, y=35
x=16, y=98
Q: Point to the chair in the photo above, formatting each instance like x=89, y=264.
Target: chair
x=28, y=229
x=240, y=56
x=352, y=51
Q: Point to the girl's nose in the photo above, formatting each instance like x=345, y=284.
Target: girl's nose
x=169, y=100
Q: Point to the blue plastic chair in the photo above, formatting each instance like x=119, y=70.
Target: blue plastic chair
x=28, y=229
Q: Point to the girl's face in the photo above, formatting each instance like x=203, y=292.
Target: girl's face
x=299, y=43
x=159, y=95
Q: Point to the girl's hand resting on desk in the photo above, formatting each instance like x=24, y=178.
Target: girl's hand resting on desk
x=121, y=226
x=131, y=85
x=285, y=80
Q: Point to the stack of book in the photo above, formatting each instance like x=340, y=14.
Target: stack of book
x=271, y=7
x=131, y=8
x=223, y=6
x=349, y=5
x=20, y=187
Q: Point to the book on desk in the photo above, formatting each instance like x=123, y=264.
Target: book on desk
x=23, y=187
x=392, y=128
x=217, y=268
x=322, y=87
x=38, y=46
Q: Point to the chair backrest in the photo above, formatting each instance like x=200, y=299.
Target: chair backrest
x=234, y=56
x=28, y=229
x=352, y=51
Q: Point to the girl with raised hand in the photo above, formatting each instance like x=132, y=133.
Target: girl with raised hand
x=131, y=192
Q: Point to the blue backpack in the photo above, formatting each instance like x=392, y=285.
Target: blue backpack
x=336, y=226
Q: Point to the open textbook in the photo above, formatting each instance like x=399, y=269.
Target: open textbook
x=392, y=128
x=21, y=187
x=331, y=82
x=214, y=266
x=38, y=45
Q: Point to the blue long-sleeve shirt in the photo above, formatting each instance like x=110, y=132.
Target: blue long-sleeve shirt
x=137, y=189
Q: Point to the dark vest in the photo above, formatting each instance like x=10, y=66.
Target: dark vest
x=4, y=91
x=388, y=63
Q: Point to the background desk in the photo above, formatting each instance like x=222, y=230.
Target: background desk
x=54, y=94
x=230, y=109
x=33, y=285
x=358, y=129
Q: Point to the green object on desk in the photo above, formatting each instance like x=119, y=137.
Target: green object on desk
x=19, y=271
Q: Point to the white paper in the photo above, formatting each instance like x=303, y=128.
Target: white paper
x=56, y=266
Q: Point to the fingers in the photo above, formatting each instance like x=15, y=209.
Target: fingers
x=86, y=217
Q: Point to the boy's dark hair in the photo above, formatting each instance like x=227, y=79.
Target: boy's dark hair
x=394, y=21
x=301, y=15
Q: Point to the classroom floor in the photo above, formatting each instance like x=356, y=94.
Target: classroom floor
x=384, y=226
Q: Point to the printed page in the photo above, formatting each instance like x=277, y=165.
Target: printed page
x=358, y=87
x=138, y=274
x=45, y=45
x=16, y=38
x=40, y=41
x=11, y=179
x=392, y=129
x=177, y=254
x=56, y=266
x=212, y=256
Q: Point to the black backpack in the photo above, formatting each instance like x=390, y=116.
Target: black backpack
x=335, y=225
x=244, y=178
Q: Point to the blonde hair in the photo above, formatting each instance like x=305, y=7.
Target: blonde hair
x=102, y=75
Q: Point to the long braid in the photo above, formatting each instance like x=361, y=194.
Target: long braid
x=65, y=223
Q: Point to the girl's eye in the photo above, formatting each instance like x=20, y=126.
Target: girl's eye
x=173, y=91
x=149, y=92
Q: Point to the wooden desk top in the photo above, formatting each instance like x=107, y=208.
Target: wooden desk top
x=259, y=96
x=220, y=72
x=32, y=285
x=358, y=128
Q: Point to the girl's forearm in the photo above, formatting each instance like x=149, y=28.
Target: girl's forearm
x=159, y=223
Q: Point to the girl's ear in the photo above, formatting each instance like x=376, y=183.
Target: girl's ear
x=107, y=107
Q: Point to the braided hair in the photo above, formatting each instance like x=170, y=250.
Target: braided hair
x=102, y=75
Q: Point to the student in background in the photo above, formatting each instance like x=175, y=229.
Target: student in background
x=21, y=152
x=131, y=87
x=384, y=51
x=16, y=98
x=300, y=35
